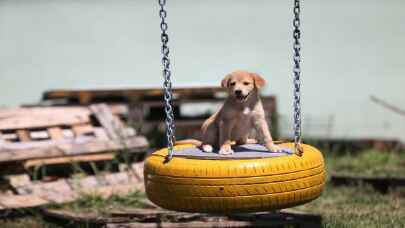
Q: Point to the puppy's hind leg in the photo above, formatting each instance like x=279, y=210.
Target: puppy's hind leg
x=209, y=136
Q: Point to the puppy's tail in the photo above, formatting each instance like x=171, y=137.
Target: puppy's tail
x=194, y=142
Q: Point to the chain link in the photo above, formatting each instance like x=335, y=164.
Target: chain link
x=167, y=85
x=297, y=80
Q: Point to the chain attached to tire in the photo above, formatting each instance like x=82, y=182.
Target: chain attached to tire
x=167, y=85
x=297, y=80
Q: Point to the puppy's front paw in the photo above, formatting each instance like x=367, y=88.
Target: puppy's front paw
x=207, y=148
x=273, y=147
x=225, y=150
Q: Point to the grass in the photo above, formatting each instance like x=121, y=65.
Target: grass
x=340, y=207
x=30, y=219
x=367, y=163
x=358, y=206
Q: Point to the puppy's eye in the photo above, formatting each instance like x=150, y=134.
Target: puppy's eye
x=233, y=83
x=246, y=83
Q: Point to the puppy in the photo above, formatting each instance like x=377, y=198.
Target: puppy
x=241, y=112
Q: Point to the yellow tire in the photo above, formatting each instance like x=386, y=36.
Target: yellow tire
x=239, y=185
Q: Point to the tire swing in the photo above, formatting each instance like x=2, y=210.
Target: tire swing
x=183, y=178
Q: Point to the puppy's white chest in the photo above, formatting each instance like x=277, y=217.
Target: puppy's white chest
x=246, y=111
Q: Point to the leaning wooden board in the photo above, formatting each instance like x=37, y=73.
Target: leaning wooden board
x=55, y=132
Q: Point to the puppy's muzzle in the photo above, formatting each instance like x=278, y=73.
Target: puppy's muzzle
x=240, y=96
x=238, y=93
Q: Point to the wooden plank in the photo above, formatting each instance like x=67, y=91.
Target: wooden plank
x=72, y=219
x=137, y=169
x=21, y=201
x=55, y=133
x=19, y=180
x=100, y=133
x=23, y=135
x=82, y=129
x=68, y=133
x=122, y=178
x=45, y=143
x=119, y=109
x=84, y=97
x=111, y=123
x=135, y=93
x=121, y=221
x=23, y=118
x=203, y=224
x=57, y=191
x=177, y=219
x=69, y=159
x=153, y=214
x=88, y=182
x=133, y=144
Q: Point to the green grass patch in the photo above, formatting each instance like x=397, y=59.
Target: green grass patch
x=358, y=206
x=26, y=222
x=367, y=163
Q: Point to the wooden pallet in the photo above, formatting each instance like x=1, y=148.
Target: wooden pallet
x=57, y=135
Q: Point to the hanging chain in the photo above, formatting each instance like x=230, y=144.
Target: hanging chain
x=167, y=85
x=297, y=80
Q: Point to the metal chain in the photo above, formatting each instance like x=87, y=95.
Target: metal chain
x=167, y=85
x=297, y=80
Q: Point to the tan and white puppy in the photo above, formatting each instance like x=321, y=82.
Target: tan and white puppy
x=240, y=114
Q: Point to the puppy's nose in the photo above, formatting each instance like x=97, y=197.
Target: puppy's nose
x=238, y=92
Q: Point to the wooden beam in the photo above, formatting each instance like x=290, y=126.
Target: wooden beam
x=202, y=224
x=23, y=118
x=112, y=125
x=100, y=133
x=69, y=159
x=21, y=201
x=21, y=153
x=45, y=143
x=119, y=109
x=82, y=129
x=73, y=219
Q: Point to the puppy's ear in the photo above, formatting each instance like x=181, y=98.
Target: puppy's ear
x=225, y=81
x=259, y=81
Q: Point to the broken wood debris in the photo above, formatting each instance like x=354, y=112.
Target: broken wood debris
x=38, y=193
